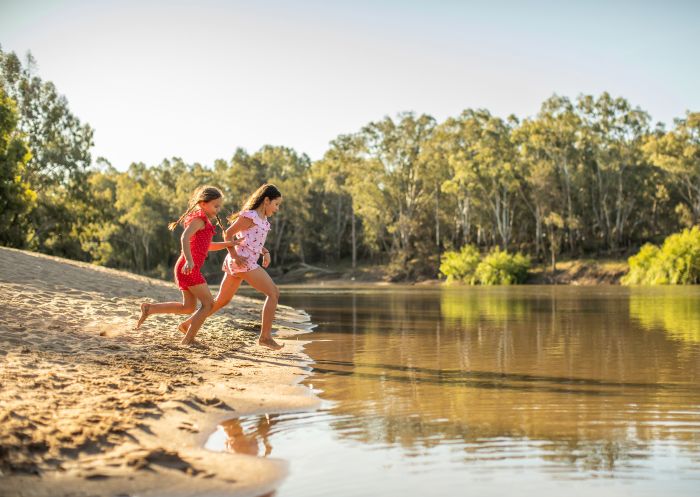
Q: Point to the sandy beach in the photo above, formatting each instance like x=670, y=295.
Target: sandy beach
x=89, y=406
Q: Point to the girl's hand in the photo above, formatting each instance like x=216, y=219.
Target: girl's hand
x=240, y=261
x=228, y=244
x=266, y=259
x=188, y=267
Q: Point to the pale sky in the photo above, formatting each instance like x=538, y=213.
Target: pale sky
x=196, y=80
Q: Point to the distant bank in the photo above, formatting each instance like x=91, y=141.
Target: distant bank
x=569, y=272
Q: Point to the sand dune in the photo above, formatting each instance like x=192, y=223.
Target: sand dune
x=90, y=406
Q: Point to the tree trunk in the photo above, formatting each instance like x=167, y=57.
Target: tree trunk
x=569, y=205
x=278, y=239
x=464, y=220
x=354, y=241
x=144, y=242
x=437, y=218
x=553, y=245
x=338, y=233
x=538, y=232
x=301, y=249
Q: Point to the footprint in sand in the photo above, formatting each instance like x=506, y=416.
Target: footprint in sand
x=190, y=427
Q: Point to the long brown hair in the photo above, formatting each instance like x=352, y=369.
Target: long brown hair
x=258, y=197
x=204, y=193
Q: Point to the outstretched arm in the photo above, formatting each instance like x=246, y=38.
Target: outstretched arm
x=213, y=246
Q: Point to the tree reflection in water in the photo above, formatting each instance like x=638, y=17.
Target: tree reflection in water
x=673, y=309
x=562, y=375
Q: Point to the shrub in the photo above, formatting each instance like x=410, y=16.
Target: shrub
x=460, y=266
x=497, y=268
x=501, y=268
x=677, y=262
x=641, y=265
x=680, y=257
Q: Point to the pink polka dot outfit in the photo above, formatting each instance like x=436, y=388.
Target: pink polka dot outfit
x=199, y=248
x=250, y=246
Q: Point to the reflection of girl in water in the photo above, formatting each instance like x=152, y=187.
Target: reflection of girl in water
x=240, y=442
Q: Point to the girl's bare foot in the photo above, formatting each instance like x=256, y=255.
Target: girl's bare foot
x=270, y=343
x=194, y=343
x=188, y=338
x=144, y=314
x=183, y=328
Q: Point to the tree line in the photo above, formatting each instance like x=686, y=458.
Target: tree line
x=585, y=176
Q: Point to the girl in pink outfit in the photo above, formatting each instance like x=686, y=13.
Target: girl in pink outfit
x=250, y=246
x=250, y=227
x=196, y=240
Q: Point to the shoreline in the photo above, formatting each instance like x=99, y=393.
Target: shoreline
x=89, y=405
x=584, y=272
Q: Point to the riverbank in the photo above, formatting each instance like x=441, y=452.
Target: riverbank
x=580, y=272
x=90, y=406
x=569, y=272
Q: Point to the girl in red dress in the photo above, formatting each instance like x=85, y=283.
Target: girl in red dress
x=196, y=240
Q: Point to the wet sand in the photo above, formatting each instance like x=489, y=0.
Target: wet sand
x=89, y=406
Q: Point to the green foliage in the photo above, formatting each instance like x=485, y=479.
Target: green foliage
x=58, y=167
x=677, y=314
x=678, y=154
x=496, y=268
x=641, y=266
x=16, y=196
x=461, y=266
x=468, y=308
x=501, y=268
x=677, y=262
x=582, y=176
x=393, y=185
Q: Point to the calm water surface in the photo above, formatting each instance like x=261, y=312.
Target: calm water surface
x=491, y=391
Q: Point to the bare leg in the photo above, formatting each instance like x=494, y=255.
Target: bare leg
x=261, y=281
x=187, y=306
x=227, y=289
x=204, y=296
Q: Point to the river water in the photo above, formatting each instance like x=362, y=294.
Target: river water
x=491, y=391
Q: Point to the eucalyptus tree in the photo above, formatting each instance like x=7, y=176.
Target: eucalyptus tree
x=540, y=187
x=556, y=135
x=144, y=207
x=289, y=171
x=448, y=150
x=60, y=157
x=484, y=172
x=371, y=200
x=612, y=136
x=677, y=152
x=498, y=172
x=394, y=147
x=16, y=195
x=332, y=178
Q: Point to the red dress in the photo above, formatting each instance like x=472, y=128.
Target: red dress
x=199, y=248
